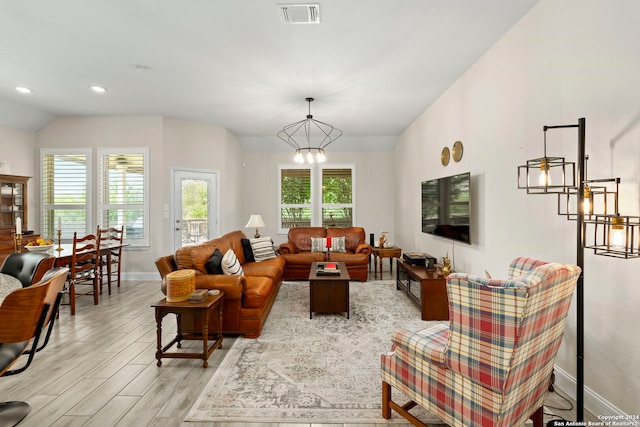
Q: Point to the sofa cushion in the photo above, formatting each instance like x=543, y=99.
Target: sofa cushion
x=339, y=244
x=230, y=263
x=271, y=268
x=195, y=257
x=258, y=291
x=301, y=236
x=262, y=248
x=247, y=250
x=214, y=265
x=318, y=244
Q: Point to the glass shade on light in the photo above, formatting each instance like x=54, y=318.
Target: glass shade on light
x=614, y=235
x=547, y=175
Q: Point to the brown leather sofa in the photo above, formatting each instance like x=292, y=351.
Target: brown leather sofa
x=298, y=256
x=248, y=298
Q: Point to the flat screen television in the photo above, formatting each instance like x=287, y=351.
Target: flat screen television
x=446, y=207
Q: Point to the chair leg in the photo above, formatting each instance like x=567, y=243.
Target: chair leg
x=96, y=288
x=386, y=398
x=109, y=274
x=11, y=413
x=118, y=273
x=72, y=298
x=537, y=417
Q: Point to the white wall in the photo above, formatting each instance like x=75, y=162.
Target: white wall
x=18, y=149
x=374, y=189
x=564, y=60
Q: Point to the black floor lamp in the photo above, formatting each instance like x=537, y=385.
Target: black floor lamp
x=613, y=234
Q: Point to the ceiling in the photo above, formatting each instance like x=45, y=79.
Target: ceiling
x=372, y=65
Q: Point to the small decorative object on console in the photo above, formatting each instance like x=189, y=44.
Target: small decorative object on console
x=198, y=295
x=180, y=285
x=446, y=265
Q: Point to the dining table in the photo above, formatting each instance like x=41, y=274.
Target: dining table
x=64, y=251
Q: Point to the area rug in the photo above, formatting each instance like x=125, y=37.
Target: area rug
x=325, y=369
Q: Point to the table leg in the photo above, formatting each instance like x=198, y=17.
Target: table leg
x=159, y=336
x=375, y=266
x=205, y=337
x=380, y=261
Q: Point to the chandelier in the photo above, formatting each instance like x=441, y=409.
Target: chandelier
x=309, y=147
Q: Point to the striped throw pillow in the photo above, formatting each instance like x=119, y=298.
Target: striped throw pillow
x=262, y=248
x=230, y=264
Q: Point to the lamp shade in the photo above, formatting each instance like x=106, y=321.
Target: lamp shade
x=255, y=221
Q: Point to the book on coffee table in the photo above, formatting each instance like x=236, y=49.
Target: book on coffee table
x=328, y=268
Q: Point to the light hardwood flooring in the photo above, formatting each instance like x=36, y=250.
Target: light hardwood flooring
x=99, y=369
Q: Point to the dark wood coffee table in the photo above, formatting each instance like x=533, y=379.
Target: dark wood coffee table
x=185, y=308
x=329, y=293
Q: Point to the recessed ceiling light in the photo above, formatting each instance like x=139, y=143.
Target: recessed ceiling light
x=98, y=89
x=23, y=89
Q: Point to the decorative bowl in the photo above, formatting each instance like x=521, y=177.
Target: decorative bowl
x=41, y=248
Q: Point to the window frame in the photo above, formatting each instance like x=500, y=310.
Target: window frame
x=87, y=206
x=316, y=196
x=101, y=206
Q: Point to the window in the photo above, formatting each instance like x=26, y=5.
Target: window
x=307, y=201
x=123, y=192
x=337, y=197
x=66, y=199
x=295, y=198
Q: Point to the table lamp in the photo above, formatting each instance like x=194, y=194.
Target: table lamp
x=255, y=221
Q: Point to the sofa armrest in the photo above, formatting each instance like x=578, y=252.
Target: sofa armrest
x=166, y=265
x=364, y=248
x=233, y=286
x=287, y=248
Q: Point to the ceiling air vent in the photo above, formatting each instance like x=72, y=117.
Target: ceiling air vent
x=300, y=13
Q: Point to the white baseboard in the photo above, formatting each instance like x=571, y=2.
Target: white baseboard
x=593, y=402
x=141, y=276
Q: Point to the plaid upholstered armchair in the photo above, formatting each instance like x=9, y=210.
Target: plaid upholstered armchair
x=491, y=365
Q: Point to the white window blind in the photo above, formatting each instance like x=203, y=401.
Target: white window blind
x=337, y=197
x=66, y=199
x=307, y=201
x=123, y=192
x=295, y=198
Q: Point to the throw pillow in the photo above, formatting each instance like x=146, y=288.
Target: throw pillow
x=214, y=264
x=262, y=248
x=248, y=252
x=339, y=244
x=230, y=263
x=318, y=244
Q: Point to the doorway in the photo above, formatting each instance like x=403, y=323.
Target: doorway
x=195, y=206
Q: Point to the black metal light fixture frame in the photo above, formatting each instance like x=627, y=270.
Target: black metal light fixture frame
x=299, y=135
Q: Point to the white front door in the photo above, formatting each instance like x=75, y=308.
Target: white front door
x=195, y=206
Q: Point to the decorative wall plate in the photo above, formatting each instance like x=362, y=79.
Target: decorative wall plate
x=445, y=156
x=457, y=151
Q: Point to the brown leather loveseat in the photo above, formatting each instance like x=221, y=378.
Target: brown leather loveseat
x=248, y=298
x=298, y=254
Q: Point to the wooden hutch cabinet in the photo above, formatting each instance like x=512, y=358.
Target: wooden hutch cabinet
x=13, y=205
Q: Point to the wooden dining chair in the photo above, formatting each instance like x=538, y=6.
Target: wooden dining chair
x=84, y=268
x=111, y=261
